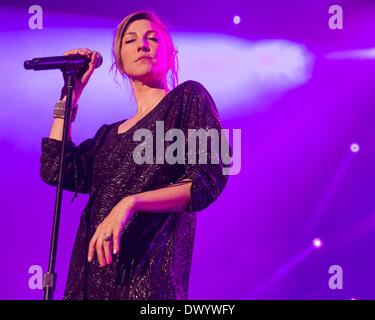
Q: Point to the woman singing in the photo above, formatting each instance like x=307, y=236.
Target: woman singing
x=136, y=234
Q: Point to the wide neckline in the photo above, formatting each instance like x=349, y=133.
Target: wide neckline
x=144, y=117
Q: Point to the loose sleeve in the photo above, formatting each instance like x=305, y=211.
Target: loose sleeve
x=78, y=163
x=208, y=179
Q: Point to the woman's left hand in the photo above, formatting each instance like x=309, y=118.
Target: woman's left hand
x=111, y=227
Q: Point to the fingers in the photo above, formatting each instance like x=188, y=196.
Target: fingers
x=92, y=246
x=92, y=64
x=116, y=241
x=96, y=244
x=99, y=252
x=94, y=58
x=84, y=74
x=109, y=229
x=103, y=248
x=107, y=245
x=84, y=52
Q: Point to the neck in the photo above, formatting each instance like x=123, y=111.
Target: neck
x=148, y=94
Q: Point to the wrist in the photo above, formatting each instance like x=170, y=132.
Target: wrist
x=74, y=99
x=130, y=203
x=59, y=111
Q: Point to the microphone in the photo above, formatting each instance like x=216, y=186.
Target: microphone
x=72, y=62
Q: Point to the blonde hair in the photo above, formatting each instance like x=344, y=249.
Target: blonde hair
x=173, y=65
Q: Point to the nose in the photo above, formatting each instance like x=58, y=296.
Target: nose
x=143, y=46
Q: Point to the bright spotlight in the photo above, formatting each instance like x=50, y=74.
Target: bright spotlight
x=236, y=20
x=317, y=243
x=354, y=147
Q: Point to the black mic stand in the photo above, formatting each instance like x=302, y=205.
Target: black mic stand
x=50, y=277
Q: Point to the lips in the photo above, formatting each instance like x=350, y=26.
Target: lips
x=144, y=57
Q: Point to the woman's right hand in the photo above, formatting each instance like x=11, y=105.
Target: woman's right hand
x=81, y=81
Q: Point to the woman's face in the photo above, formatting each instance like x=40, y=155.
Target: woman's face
x=144, y=38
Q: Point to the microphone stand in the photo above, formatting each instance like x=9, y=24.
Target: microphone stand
x=50, y=277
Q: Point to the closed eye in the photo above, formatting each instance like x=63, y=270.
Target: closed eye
x=154, y=39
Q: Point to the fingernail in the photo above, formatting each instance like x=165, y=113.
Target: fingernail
x=89, y=258
x=114, y=251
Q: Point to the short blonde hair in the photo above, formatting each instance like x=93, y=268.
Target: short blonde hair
x=173, y=65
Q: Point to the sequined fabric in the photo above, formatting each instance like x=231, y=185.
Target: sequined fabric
x=155, y=248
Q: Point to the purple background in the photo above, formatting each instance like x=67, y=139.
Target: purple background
x=273, y=77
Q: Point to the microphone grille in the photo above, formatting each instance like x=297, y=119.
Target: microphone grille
x=99, y=60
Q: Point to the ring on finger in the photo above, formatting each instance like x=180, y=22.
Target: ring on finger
x=107, y=238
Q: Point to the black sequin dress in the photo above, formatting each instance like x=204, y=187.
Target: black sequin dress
x=155, y=248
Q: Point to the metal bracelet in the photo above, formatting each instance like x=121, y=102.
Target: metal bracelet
x=59, y=111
